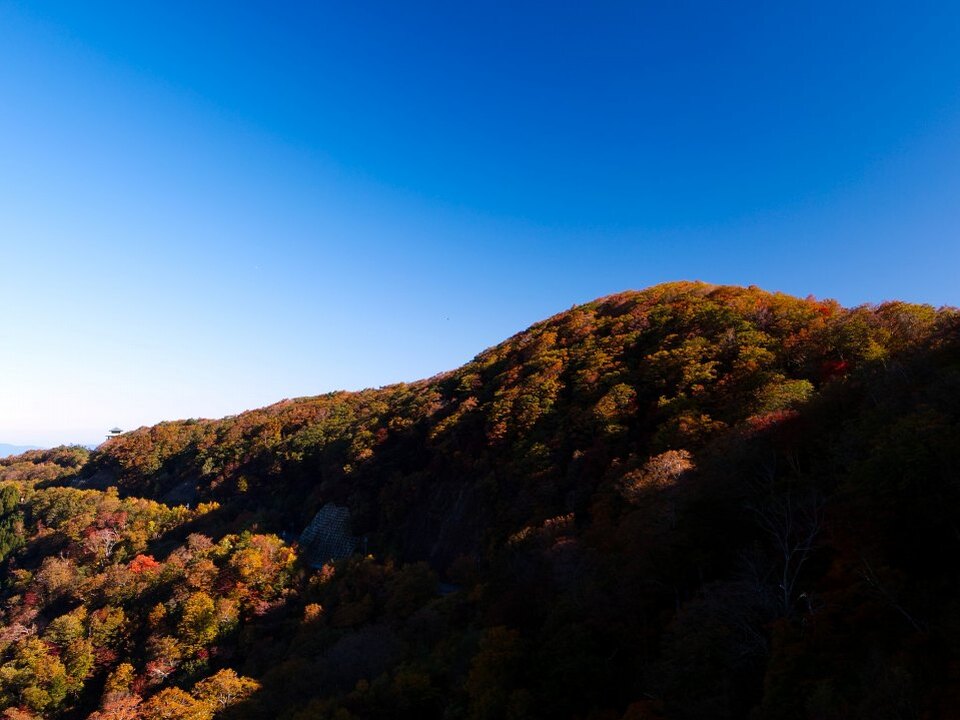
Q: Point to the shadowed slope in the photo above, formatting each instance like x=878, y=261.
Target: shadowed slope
x=685, y=502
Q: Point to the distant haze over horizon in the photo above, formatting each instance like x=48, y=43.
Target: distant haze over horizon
x=204, y=211
x=7, y=450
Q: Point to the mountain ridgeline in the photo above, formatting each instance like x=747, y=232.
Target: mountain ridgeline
x=691, y=501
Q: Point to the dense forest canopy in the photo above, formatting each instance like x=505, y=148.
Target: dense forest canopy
x=691, y=501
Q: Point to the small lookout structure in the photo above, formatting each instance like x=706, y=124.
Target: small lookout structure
x=114, y=432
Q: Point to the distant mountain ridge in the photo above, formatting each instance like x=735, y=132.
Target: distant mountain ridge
x=7, y=450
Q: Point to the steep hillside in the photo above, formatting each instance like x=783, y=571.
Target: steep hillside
x=686, y=502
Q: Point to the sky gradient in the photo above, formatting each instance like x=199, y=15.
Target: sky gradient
x=206, y=208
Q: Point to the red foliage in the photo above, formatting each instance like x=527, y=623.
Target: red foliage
x=766, y=421
x=143, y=564
x=113, y=520
x=125, y=707
x=157, y=671
x=104, y=656
x=833, y=368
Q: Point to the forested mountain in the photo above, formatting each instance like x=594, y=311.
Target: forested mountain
x=686, y=502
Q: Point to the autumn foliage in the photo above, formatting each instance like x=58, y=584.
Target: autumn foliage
x=687, y=502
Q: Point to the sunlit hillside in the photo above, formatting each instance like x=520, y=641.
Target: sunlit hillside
x=690, y=501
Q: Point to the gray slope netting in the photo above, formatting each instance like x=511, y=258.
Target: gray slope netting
x=327, y=537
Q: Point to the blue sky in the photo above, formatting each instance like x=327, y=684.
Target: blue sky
x=206, y=208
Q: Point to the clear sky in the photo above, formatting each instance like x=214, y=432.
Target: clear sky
x=209, y=207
